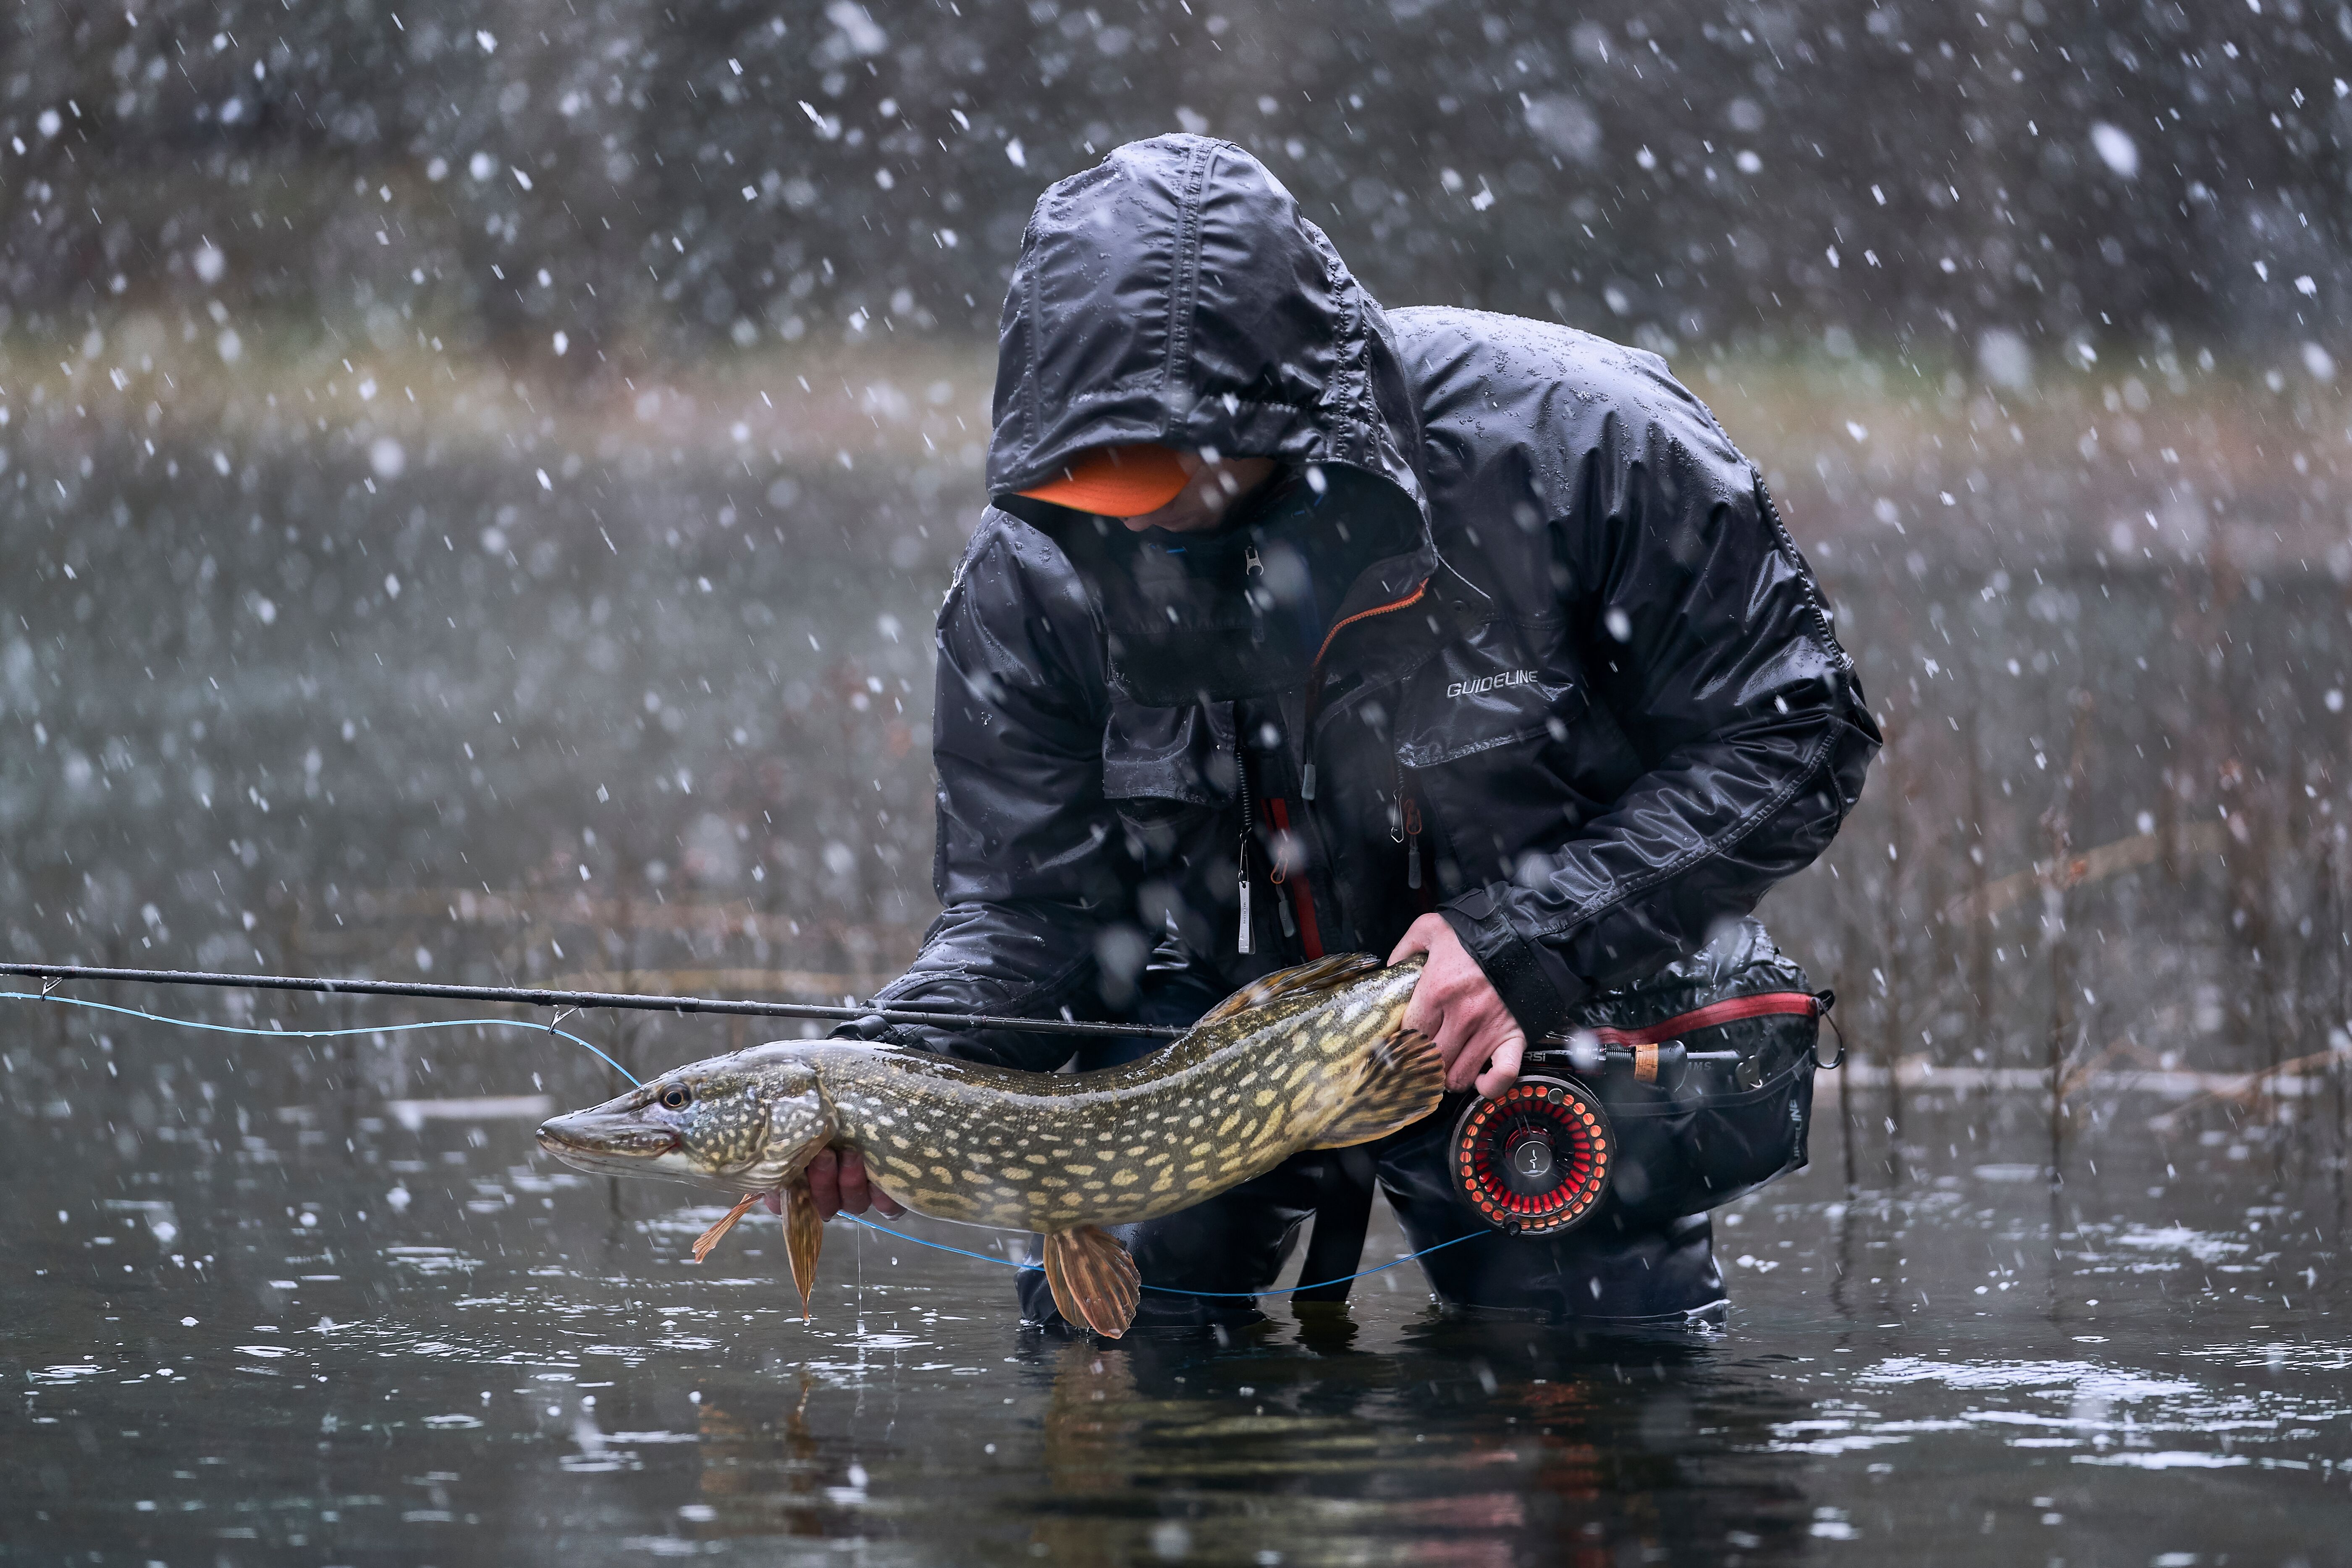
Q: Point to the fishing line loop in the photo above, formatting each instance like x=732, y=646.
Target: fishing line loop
x=321, y=1034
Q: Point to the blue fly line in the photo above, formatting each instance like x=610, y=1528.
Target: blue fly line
x=567, y=1035
x=321, y=1034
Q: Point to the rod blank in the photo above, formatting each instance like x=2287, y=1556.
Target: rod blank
x=524, y=996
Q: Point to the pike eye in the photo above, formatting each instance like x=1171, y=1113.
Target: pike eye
x=677, y=1096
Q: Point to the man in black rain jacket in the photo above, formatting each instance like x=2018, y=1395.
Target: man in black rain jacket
x=1510, y=660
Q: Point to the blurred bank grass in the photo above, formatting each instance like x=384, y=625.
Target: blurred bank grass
x=2060, y=448
x=266, y=385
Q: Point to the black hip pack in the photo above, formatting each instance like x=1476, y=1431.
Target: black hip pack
x=1669, y=1097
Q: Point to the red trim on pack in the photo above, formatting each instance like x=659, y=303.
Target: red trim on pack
x=1794, y=1003
x=1302, y=899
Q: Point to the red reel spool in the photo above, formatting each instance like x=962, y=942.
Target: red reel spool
x=1535, y=1162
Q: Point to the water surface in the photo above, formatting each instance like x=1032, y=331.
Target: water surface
x=292, y=1333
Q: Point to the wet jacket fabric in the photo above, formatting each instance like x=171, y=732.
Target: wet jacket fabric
x=1519, y=638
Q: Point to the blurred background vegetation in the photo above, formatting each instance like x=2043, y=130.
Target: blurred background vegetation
x=473, y=478
x=649, y=178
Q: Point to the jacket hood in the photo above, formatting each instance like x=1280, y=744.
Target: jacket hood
x=1174, y=292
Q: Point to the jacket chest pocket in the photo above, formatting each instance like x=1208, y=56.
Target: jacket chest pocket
x=1175, y=755
x=1508, y=686
x=1501, y=747
x=1168, y=774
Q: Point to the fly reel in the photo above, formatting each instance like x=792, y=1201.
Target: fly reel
x=1537, y=1161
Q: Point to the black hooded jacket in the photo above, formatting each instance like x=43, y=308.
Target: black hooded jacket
x=1520, y=638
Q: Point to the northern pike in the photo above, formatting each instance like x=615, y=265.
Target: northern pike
x=1317, y=1057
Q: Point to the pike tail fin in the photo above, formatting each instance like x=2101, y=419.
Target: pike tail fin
x=1402, y=1083
x=1094, y=1281
x=804, y=1236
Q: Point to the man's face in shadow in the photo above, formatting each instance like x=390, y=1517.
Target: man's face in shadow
x=1212, y=486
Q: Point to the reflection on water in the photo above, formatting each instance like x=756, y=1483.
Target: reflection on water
x=274, y=1363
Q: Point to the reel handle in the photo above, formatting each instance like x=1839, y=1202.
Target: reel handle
x=1584, y=1054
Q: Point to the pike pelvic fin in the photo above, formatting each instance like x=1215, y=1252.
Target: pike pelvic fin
x=1326, y=974
x=709, y=1238
x=1094, y=1281
x=804, y=1236
x=1402, y=1082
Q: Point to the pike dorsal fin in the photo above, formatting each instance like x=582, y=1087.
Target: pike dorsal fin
x=1094, y=1281
x=804, y=1236
x=1402, y=1083
x=1326, y=974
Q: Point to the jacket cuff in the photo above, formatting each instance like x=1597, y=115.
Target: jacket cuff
x=873, y=1031
x=1531, y=979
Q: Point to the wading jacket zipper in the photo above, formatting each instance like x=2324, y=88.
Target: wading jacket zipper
x=1249, y=824
x=1404, y=828
x=1412, y=843
x=1307, y=776
x=1315, y=671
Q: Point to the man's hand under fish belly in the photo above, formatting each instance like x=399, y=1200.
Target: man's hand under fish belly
x=1457, y=1006
x=838, y=1183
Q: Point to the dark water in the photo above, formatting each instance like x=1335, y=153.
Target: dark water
x=266, y=1332
x=657, y=720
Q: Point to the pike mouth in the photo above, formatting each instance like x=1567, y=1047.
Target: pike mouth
x=593, y=1142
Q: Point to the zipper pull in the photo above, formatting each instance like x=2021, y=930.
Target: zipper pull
x=1244, y=945
x=1306, y=783
x=1411, y=843
x=1279, y=874
x=1249, y=557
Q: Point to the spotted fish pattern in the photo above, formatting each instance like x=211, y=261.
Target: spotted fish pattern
x=1315, y=1056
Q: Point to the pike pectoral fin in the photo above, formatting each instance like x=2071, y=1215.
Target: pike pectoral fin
x=803, y=1236
x=1402, y=1083
x=1094, y=1281
x=1324, y=973
x=709, y=1238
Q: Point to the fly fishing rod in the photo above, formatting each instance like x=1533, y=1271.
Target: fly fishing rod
x=524, y=996
x=1538, y=1160
x=1578, y=1046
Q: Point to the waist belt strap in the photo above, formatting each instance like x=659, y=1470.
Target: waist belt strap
x=1729, y=1011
